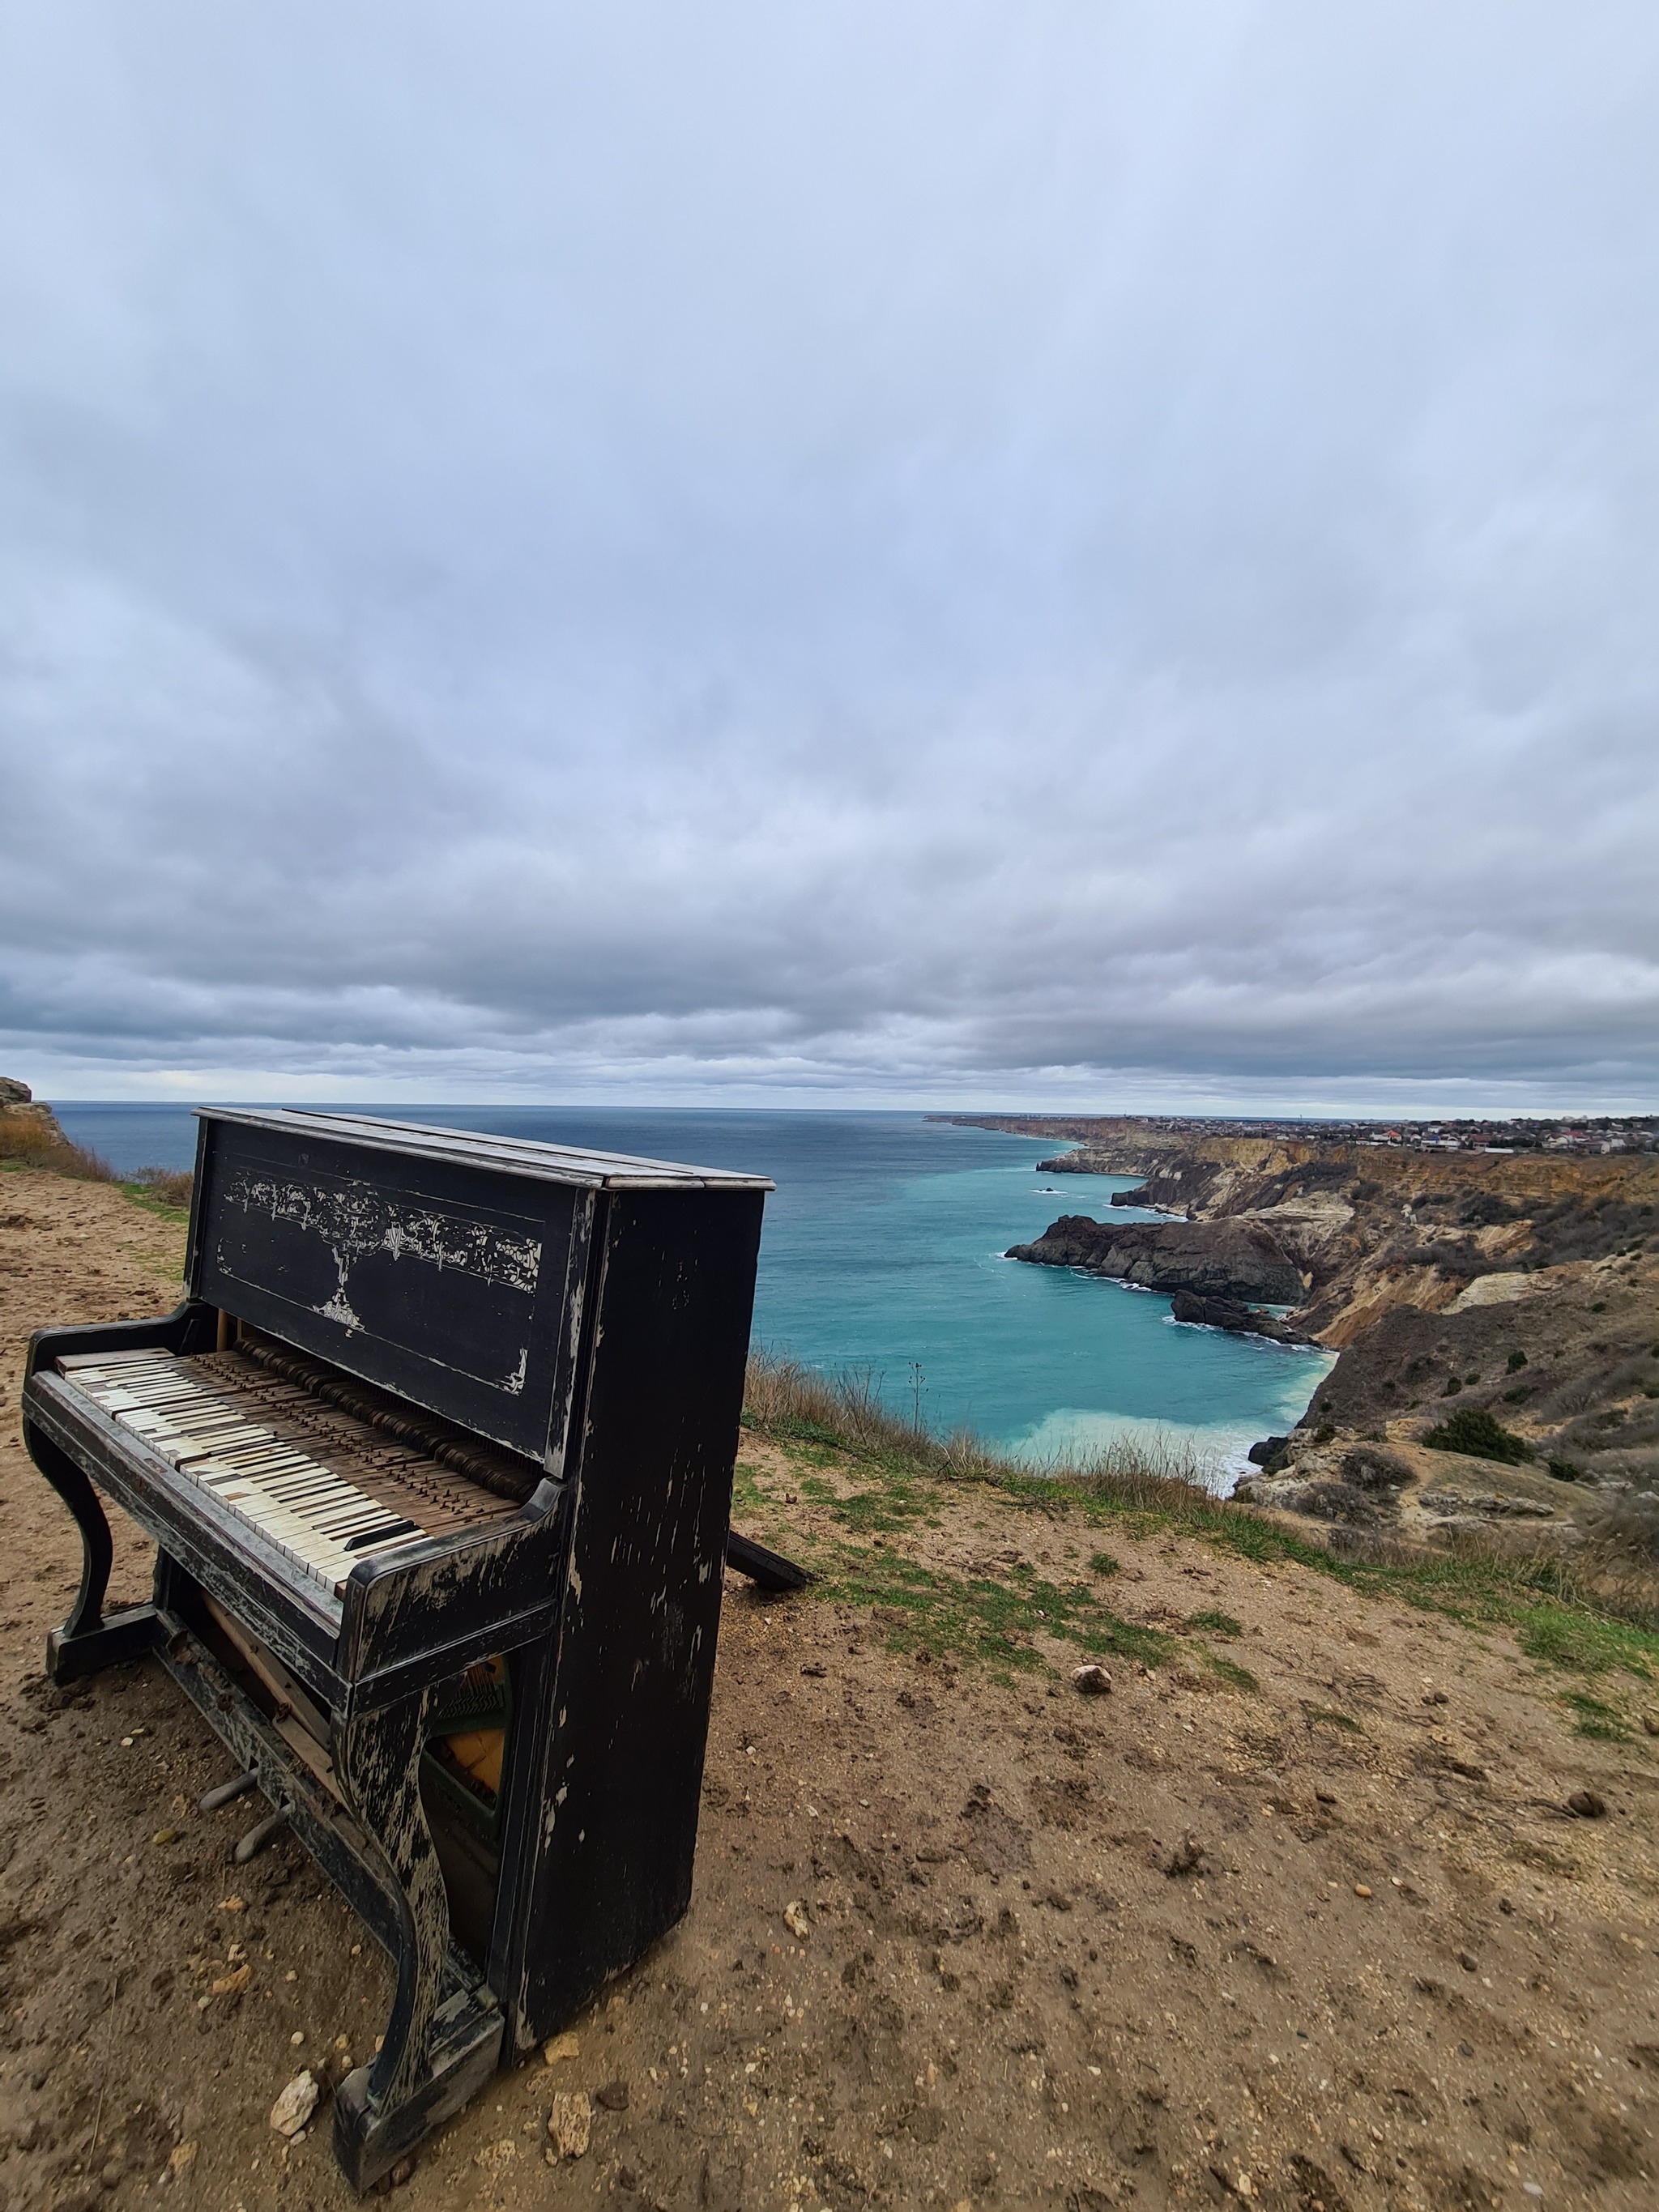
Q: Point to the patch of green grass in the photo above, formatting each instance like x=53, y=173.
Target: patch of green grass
x=883, y=1509
x=984, y=1616
x=747, y=1495
x=1238, y=1678
x=1324, y=1716
x=1104, y=1564
x=811, y=1432
x=1603, y=1722
x=142, y=1196
x=1221, y=1624
x=976, y=1618
x=1581, y=1643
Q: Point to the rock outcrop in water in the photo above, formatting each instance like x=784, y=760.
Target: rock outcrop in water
x=1228, y=1314
x=1234, y=1261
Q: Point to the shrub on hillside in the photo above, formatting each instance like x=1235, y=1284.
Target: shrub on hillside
x=1371, y=1467
x=1473, y=1431
x=170, y=1186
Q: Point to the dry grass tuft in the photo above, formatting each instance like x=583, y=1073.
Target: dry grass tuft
x=33, y=1141
x=36, y=1144
x=1613, y=1570
x=846, y=1410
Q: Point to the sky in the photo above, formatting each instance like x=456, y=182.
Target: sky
x=1053, y=554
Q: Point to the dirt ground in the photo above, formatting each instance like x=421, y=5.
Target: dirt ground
x=1334, y=1940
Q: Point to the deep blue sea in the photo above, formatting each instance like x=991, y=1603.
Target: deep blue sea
x=882, y=1251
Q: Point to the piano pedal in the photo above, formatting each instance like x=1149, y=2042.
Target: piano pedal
x=261, y=1833
x=226, y=1793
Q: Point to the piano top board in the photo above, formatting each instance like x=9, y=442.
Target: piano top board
x=447, y=1267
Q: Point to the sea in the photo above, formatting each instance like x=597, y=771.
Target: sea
x=882, y=1255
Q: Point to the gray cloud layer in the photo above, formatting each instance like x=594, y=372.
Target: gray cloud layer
x=936, y=549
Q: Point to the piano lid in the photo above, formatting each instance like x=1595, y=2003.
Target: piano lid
x=512, y=1155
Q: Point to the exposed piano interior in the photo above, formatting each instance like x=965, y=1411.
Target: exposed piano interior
x=437, y=1457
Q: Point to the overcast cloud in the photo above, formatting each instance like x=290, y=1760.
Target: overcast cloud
x=1031, y=553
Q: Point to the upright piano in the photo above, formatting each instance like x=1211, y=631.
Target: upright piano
x=437, y=1457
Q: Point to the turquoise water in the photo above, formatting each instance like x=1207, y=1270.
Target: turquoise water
x=882, y=1251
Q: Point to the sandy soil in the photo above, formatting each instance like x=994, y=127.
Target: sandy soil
x=1332, y=1941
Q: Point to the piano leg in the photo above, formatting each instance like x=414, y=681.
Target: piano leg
x=88, y=1641
x=438, y=2051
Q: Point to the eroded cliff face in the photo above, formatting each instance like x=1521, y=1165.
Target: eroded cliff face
x=1526, y=1286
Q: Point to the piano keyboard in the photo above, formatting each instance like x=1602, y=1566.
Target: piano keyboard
x=270, y=1457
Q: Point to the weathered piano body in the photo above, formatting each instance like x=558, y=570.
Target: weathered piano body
x=513, y=1373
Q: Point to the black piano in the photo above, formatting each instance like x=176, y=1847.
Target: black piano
x=437, y=1457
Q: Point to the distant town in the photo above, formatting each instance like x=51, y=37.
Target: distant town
x=1604, y=1132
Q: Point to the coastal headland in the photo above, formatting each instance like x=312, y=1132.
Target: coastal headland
x=1506, y=1302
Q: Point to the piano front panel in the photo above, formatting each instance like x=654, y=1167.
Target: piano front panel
x=458, y=1291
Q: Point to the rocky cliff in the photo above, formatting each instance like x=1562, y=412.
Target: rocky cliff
x=28, y=1128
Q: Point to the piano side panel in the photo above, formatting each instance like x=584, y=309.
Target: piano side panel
x=624, y=1709
x=444, y=1283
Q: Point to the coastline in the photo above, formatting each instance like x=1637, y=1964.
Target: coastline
x=1515, y=1295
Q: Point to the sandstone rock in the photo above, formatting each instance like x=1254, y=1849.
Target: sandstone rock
x=570, y=2123
x=296, y=2105
x=1092, y=1681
